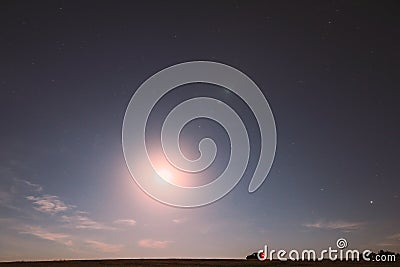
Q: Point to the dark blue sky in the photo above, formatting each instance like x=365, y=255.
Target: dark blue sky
x=329, y=70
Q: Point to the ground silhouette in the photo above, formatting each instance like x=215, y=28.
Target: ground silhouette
x=194, y=263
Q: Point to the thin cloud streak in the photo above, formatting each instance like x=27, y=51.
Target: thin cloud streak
x=78, y=221
x=335, y=225
x=104, y=247
x=36, y=187
x=179, y=220
x=395, y=237
x=385, y=244
x=128, y=222
x=46, y=235
x=149, y=243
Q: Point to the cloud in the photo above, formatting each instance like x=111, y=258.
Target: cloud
x=179, y=220
x=35, y=187
x=395, y=237
x=104, y=247
x=128, y=222
x=65, y=215
x=149, y=243
x=44, y=234
x=79, y=221
x=13, y=191
x=335, y=225
x=385, y=244
x=49, y=204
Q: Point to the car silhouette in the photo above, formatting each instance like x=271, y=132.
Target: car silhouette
x=252, y=256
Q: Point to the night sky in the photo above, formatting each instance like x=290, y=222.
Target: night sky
x=68, y=69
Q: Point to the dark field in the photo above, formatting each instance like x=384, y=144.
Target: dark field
x=187, y=262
